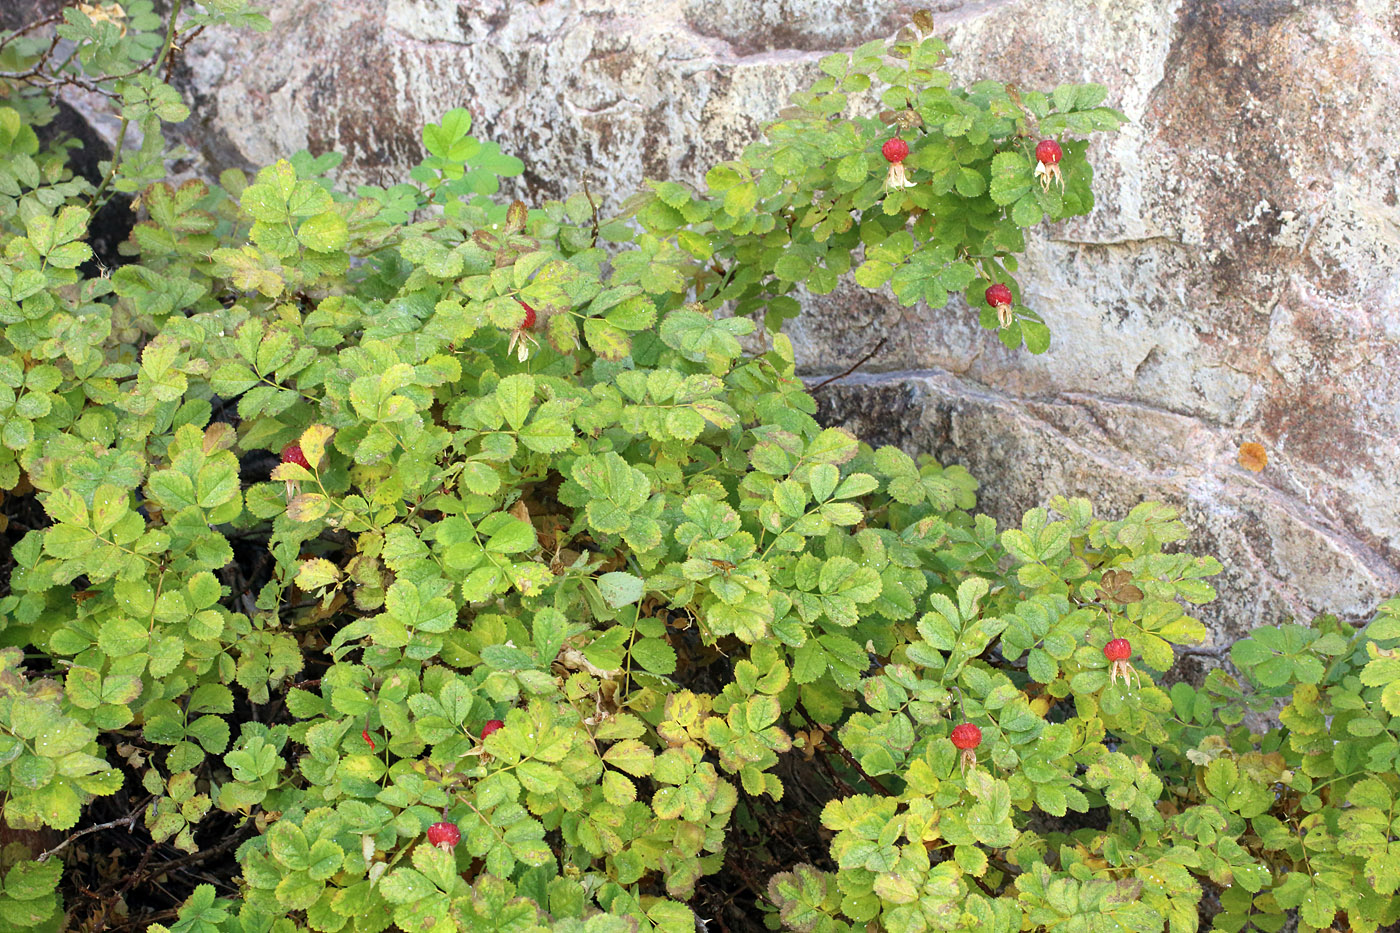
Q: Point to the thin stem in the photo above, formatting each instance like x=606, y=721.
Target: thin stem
x=128, y=821
x=841, y=750
x=169, y=35
x=1202, y=651
x=983, y=885
x=38, y=23
x=589, y=195
x=38, y=65
x=857, y=365
x=185, y=40
x=95, y=203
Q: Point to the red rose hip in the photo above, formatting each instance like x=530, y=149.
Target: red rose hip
x=998, y=295
x=895, y=151
x=520, y=339
x=444, y=835
x=292, y=454
x=967, y=736
x=1117, y=652
x=490, y=727
x=1047, y=156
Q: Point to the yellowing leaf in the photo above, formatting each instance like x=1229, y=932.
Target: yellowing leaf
x=307, y=507
x=313, y=443
x=631, y=756
x=316, y=573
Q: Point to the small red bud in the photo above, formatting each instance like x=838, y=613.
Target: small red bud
x=529, y=316
x=1120, y=649
x=490, y=727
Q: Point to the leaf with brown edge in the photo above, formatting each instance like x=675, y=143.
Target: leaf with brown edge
x=316, y=573
x=219, y=436
x=516, y=216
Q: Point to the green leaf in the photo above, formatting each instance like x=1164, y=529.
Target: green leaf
x=121, y=637
x=620, y=588
x=325, y=233
x=1026, y=212
x=516, y=396
x=1011, y=177
x=655, y=655
x=506, y=534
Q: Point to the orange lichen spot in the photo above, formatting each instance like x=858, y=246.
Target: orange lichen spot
x=1253, y=457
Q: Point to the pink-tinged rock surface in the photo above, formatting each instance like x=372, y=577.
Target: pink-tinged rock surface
x=1239, y=280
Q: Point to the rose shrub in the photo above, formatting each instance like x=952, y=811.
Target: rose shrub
x=415, y=559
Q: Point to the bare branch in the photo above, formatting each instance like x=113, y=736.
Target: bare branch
x=858, y=364
x=129, y=821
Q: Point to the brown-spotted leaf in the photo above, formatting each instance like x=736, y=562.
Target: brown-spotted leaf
x=307, y=507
